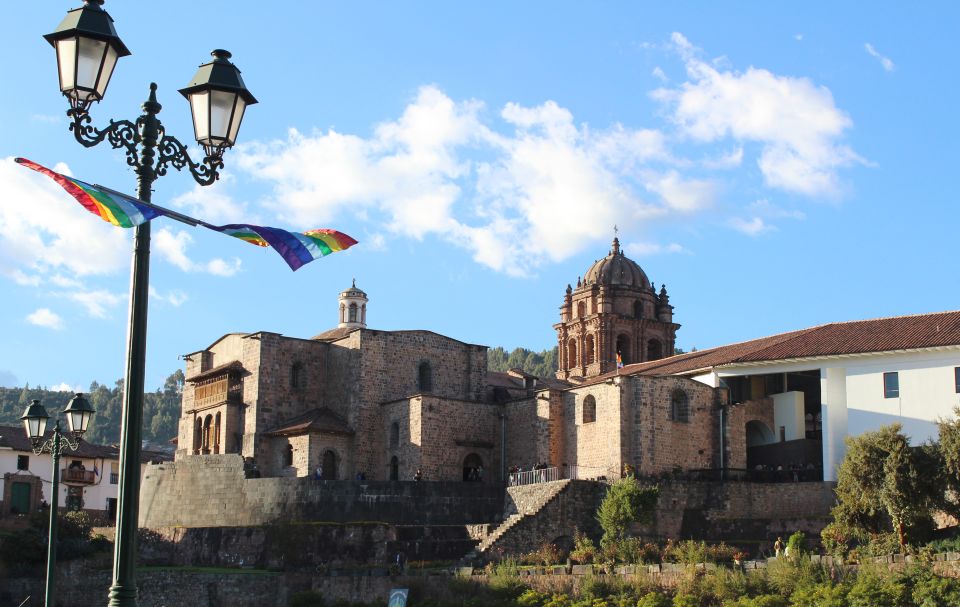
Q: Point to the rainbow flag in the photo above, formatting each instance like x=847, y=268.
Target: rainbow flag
x=619, y=361
x=118, y=209
x=296, y=249
x=125, y=211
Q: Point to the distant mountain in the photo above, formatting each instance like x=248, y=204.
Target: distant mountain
x=161, y=409
x=542, y=364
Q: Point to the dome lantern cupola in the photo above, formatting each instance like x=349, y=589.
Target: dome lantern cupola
x=353, y=307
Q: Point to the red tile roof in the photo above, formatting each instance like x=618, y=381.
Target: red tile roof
x=852, y=337
x=316, y=420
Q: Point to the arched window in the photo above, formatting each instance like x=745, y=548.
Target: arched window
x=679, y=406
x=363, y=314
x=424, y=377
x=288, y=455
x=198, y=437
x=588, y=354
x=572, y=353
x=329, y=465
x=394, y=468
x=353, y=312
x=589, y=409
x=207, y=433
x=623, y=348
x=216, y=434
x=297, y=379
x=638, y=309
x=343, y=313
x=394, y=435
x=581, y=309
x=654, y=350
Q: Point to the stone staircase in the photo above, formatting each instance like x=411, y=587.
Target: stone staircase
x=521, y=503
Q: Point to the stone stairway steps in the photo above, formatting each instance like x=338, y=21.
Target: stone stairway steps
x=528, y=510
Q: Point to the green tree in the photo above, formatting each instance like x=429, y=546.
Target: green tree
x=626, y=502
x=949, y=447
x=883, y=484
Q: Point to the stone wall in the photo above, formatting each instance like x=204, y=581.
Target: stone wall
x=211, y=491
x=739, y=512
x=738, y=416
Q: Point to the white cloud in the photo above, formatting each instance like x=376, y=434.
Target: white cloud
x=730, y=160
x=646, y=249
x=795, y=121
x=175, y=298
x=173, y=246
x=884, y=61
x=798, y=37
x=27, y=280
x=43, y=317
x=97, y=303
x=684, y=195
x=52, y=232
x=65, y=387
x=767, y=209
x=751, y=227
x=213, y=204
x=659, y=74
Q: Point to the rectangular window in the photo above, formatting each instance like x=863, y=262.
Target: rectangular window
x=114, y=473
x=23, y=462
x=956, y=378
x=891, y=385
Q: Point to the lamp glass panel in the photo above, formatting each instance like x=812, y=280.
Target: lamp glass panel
x=241, y=105
x=35, y=426
x=67, y=60
x=109, y=62
x=199, y=104
x=221, y=110
x=89, y=59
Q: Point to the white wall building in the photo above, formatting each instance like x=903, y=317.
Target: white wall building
x=838, y=379
x=88, y=476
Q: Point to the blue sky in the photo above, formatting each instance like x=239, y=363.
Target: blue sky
x=777, y=165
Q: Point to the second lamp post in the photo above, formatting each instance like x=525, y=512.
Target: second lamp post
x=88, y=48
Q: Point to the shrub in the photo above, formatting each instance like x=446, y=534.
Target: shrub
x=764, y=600
x=682, y=599
x=626, y=502
x=584, y=550
x=796, y=544
x=75, y=524
x=653, y=599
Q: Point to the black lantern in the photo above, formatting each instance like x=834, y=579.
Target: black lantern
x=78, y=413
x=217, y=99
x=87, y=51
x=35, y=421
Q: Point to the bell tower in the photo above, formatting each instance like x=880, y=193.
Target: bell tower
x=614, y=310
x=353, y=307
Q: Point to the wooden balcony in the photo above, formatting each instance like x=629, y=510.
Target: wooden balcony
x=76, y=476
x=212, y=392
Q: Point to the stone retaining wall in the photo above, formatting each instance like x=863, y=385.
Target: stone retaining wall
x=211, y=491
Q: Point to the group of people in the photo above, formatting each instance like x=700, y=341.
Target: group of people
x=538, y=474
x=473, y=474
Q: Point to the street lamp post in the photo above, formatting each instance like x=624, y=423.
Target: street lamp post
x=88, y=48
x=35, y=418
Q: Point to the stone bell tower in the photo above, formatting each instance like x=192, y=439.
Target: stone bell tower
x=613, y=310
x=353, y=307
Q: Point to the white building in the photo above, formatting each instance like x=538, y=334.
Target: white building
x=834, y=380
x=89, y=476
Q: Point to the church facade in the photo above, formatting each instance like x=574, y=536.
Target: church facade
x=356, y=402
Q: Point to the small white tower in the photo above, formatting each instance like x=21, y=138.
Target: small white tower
x=353, y=307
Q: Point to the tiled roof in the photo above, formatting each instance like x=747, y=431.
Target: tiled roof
x=335, y=334
x=14, y=437
x=852, y=337
x=315, y=420
x=230, y=367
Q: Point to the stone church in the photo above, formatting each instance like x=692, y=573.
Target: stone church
x=355, y=400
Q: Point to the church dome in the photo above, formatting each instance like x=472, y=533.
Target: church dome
x=616, y=269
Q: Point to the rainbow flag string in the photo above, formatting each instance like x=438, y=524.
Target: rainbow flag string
x=296, y=249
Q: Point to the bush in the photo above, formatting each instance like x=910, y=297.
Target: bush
x=653, y=599
x=824, y=594
x=548, y=554
x=764, y=600
x=796, y=544
x=75, y=524
x=584, y=550
x=626, y=502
